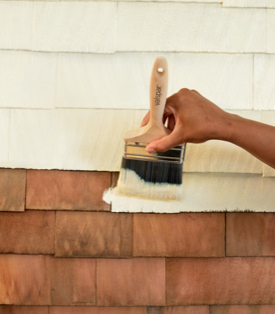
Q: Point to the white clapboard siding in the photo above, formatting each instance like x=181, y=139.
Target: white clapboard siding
x=270, y=45
x=225, y=79
x=74, y=26
x=118, y=80
x=70, y=139
x=189, y=27
x=92, y=139
x=264, y=81
x=16, y=24
x=121, y=80
x=249, y=3
x=193, y=1
x=217, y=156
x=269, y=118
x=4, y=136
x=27, y=80
x=208, y=192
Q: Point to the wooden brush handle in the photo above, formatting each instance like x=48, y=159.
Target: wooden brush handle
x=158, y=91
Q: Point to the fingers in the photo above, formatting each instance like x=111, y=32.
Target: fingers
x=145, y=119
x=165, y=143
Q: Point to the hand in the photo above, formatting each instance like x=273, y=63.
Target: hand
x=192, y=119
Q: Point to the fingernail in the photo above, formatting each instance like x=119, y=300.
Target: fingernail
x=150, y=150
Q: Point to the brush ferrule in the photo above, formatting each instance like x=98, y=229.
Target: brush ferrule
x=136, y=151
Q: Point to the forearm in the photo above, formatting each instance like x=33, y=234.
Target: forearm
x=255, y=137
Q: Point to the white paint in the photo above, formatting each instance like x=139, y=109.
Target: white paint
x=264, y=79
x=218, y=156
x=270, y=45
x=189, y=27
x=121, y=80
x=118, y=80
x=16, y=24
x=204, y=193
x=69, y=139
x=198, y=1
x=74, y=26
x=268, y=117
x=27, y=80
x=129, y=181
x=249, y=3
x=92, y=139
x=4, y=136
x=225, y=79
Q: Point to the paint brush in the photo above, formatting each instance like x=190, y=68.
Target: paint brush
x=152, y=175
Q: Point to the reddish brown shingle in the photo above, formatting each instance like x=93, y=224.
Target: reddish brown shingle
x=250, y=234
x=71, y=190
x=203, y=309
x=25, y=309
x=184, y=234
x=229, y=280
x=96, y=310
x=72, y=281
x=243, y=309
x=131, y=282
x=24, y=280
x=93, y=234
x=30, y=232
x=12, y=189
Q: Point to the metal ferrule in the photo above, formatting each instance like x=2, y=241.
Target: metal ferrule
x=136, y=151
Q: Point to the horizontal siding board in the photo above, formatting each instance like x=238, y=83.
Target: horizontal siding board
x=70, y=139
x=264, y=78
x=16, y=24
x=27, y=79
x=249, y=3
x=74, y=26
x=269, y=118
x=206, y=192
x=79, y=141
x=270, y=48
x=4, y=136
x=122, y=80
x=189, y=27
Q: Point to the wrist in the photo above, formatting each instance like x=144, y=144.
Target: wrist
x=231, y=124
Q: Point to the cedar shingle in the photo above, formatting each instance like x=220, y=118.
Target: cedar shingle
x=71, y=190
x=242, y=309
x=93, y=234
x=14, y=309
x=184, y=234
x=96, y=310
x=250, y=234
x=229, y=280
x=203, y=309
x=24, y=280
x=131, y=282
x=72, y=281
x=30, y=232
x=12, y=189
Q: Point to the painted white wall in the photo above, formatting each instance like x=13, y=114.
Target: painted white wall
x=75, y=76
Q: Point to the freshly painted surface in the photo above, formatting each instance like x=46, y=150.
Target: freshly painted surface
x=205, y=192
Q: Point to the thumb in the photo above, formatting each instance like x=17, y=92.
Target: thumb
x=165, y=143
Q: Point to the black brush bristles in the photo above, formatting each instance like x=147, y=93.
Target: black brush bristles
x=152, y=176
x=154, y=171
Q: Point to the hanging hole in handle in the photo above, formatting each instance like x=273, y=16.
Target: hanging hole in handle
x=160, y=70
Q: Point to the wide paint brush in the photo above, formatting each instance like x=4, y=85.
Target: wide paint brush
x=152, y=175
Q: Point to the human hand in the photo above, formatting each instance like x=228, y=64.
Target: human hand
x=191, y=119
